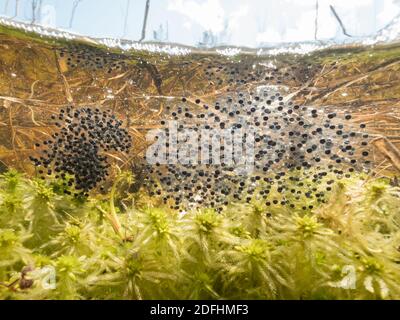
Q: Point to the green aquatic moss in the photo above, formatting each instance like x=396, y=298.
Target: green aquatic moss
x=117, y=246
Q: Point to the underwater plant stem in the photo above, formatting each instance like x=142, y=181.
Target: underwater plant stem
x=128, y=3
x=389, y=24
x=113, y=220
x=16, y=8
x=11, y=285
x=64, y=79
x=112, y=215
x=146, y=13
x=389, y=150
x=340, y=21
x=316, y=20
x=6, y=6
x=34, y=6
x=74, y=7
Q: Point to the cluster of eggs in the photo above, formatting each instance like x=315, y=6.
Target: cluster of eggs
x=78, y=150
x=297, y=152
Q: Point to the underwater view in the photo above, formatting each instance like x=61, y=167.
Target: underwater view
x=180, y=163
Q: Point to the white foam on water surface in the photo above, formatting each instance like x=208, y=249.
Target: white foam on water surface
x=389, y=34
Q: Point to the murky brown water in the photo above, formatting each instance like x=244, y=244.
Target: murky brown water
x=38, y=78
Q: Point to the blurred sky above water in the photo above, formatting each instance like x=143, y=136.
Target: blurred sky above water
x=251, y=23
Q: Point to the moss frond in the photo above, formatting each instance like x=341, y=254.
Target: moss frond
x=345, y=247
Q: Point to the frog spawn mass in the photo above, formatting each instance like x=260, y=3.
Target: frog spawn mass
x=92, y=58
x=233, y=74
x=299, y=153
x=77, y=151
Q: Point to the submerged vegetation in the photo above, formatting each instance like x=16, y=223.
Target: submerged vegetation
x=114, y=247
x=81, y=217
